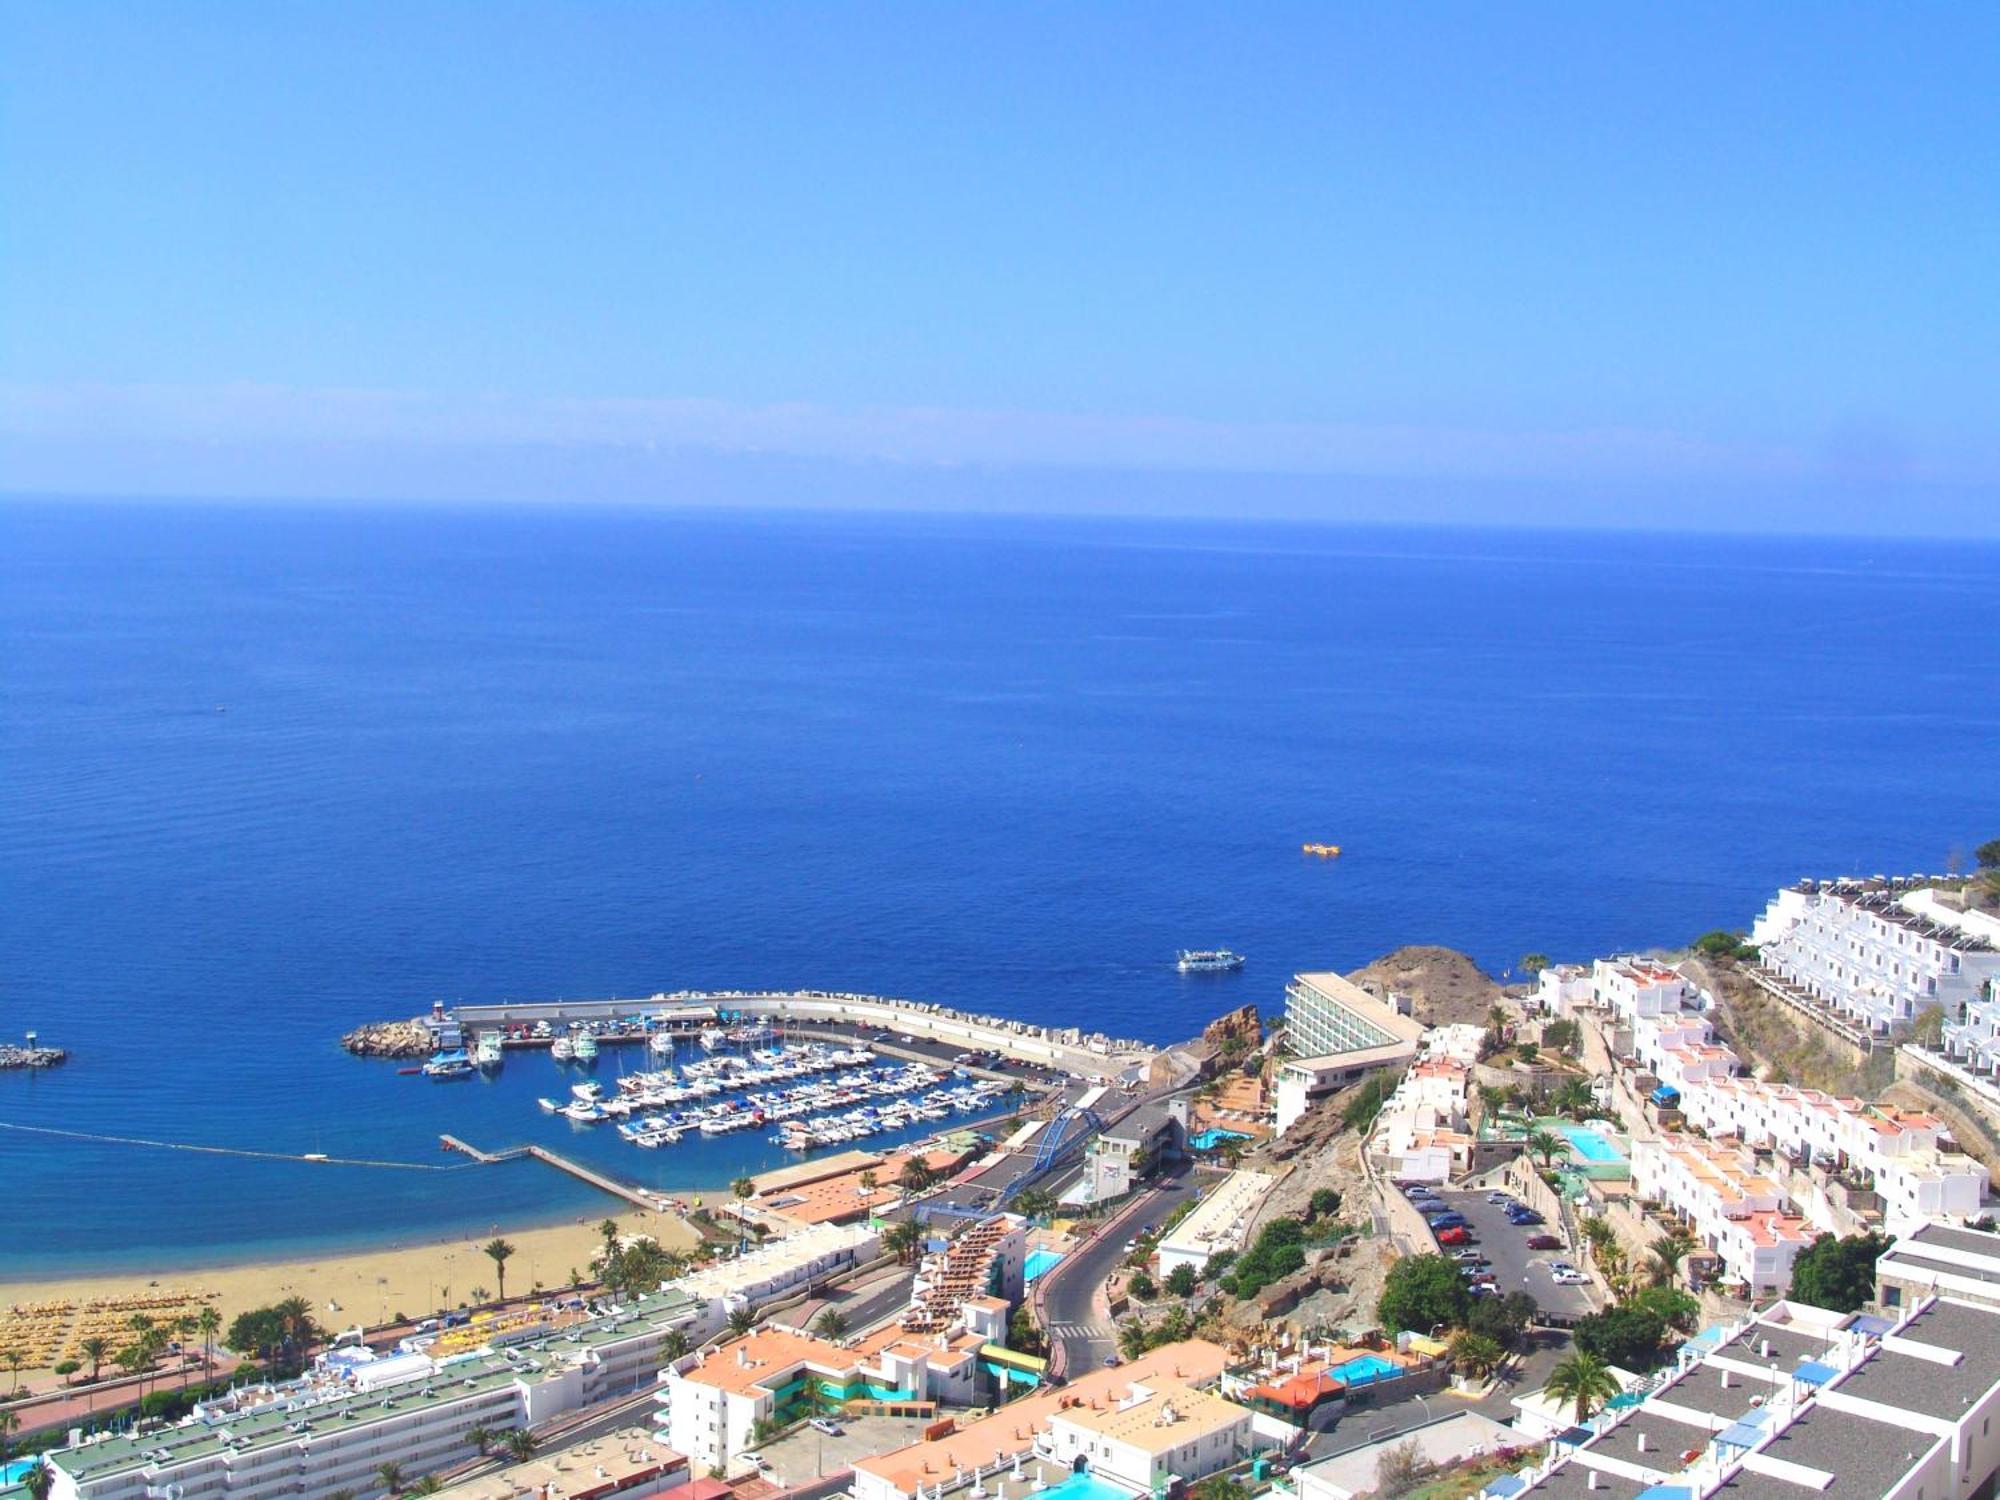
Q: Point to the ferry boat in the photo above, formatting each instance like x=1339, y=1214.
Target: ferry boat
x=561, y=1049
x=583, y=1047
x=448, y=1065
x=661, y=1044
x=1324, y=851
x=489, y=1054
x=1209, y=961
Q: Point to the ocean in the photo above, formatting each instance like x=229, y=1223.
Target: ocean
x=273, y=772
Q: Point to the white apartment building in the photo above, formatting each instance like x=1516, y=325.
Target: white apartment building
x=1629, y=988
x=708, y=1408
x=1799, y=1404
x=1876, y=952
x=1944, y=1260
x=1562, y=989
x=1219, y=1222
x=1023, y=1431
x=1161, y=1430
x=1902, y=1152
x=1728, y=1205
x=1422, y=1134
x=1679, y=1049
x=1338, y=1034
x=333, y=1431
x=1974, y=1039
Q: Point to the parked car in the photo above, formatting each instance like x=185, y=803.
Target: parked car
x=1483, y=1289
x=1449, y=1219
x=1545, y=1242
x=1571, y=1278
x=1497, y=1197
x=1454, y=1235
x=828, y=1426
x=1524, y=1216
x=1467, y=1255
x=1560, y=1266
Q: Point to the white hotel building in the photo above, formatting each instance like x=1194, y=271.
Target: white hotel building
x=1338, y=1034
x=1877, y=952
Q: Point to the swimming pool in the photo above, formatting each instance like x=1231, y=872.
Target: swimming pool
x=1366, y=1369
x=1589, y=1145
x=1039, y=1261
x=19, y=1470
x=1214, y=1136
x=1086, y=1487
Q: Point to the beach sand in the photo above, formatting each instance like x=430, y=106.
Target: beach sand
x=371, y=1286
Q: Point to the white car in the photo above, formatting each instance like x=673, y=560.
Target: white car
x=758, y=1462
x=1571, y=1278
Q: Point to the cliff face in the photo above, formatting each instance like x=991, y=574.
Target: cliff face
x=1242, y=1024
x=389, y=1039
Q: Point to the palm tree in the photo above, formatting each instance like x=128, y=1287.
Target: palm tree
x=427, y=1484
x=1533, y=963
x=869, y=1181
x=520, y=1445
x=1574, y=1098
x=1545, y=1144
x=902, y=1238
x=1584, y=1380
x=94, y=1349
x=1134, y=1338
x=1496, y=1018
x=295, y=1317
x=831, y=1326
x=1669, y=1250
x=673, y=1345
x=1036, y=1203
x=1476, y=1354
x=391, y=1475
x=481, y=1437
x=8, y=1423
x=37, y=1482
x=742, y=1187
x=499, y=1252
x=917, y=1176
x=743, y=1320
x=208, y=1324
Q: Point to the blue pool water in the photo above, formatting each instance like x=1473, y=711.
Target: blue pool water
x=1039, y=1261
x=20, y=1469
x=1011, y=764
x=1590, y=1145
x=1366, y=1368
x=1086, y=1487
x=1214, y=1136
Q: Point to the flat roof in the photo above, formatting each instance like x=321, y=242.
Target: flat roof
x=1936, y=1390
x=1951, y=1237
x=1865, y=1457
x=1215, y=1216
x=1344, y=992
x=628, y=1457
x=1668, y=1439
x=1173, y=1413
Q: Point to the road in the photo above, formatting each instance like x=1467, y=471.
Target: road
x=1069, y=1310
x=1516, y=1268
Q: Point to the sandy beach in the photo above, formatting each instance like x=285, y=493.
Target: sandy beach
x=367, y=1286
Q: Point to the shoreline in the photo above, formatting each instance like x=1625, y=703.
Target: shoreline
x=370, y=1284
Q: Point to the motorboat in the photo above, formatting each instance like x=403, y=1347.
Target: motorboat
x=445, y=1066
x=489, y=1054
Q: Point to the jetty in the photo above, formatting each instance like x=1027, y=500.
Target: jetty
x=32, y=1055
x=604, y=1182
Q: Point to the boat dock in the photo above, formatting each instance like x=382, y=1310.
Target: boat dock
x=33, y=1055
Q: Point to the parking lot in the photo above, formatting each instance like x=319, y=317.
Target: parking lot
x=1516, y=1268
x=808, y=1453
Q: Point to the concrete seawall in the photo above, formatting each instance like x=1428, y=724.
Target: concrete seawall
x=1061, y=1048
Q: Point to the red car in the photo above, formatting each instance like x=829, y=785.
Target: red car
x=1456, y=1235
x=1545, y=1242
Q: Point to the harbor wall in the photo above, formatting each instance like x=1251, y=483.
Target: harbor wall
x=1062, y=1049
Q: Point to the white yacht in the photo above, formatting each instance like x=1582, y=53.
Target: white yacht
x=561, y=1050
x=489, y=1054
x=661, y=1044
x=583, y=1046
x=1209, y=961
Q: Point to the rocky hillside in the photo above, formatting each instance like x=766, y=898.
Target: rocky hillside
x=1446, y=986
x=389, y=1039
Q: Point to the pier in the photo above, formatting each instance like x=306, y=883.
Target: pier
x=639, y=1197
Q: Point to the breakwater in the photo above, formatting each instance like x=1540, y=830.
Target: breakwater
x=31, y=1056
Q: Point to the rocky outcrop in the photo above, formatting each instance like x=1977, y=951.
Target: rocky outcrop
x=389, y=1039
x=1445, y=986
x=1241, y=1024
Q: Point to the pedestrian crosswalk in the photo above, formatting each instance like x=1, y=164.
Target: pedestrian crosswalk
x=1080, y=1330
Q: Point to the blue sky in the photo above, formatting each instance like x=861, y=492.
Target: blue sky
x=1636, y=265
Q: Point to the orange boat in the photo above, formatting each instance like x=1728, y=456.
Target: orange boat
x=1324, y=851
